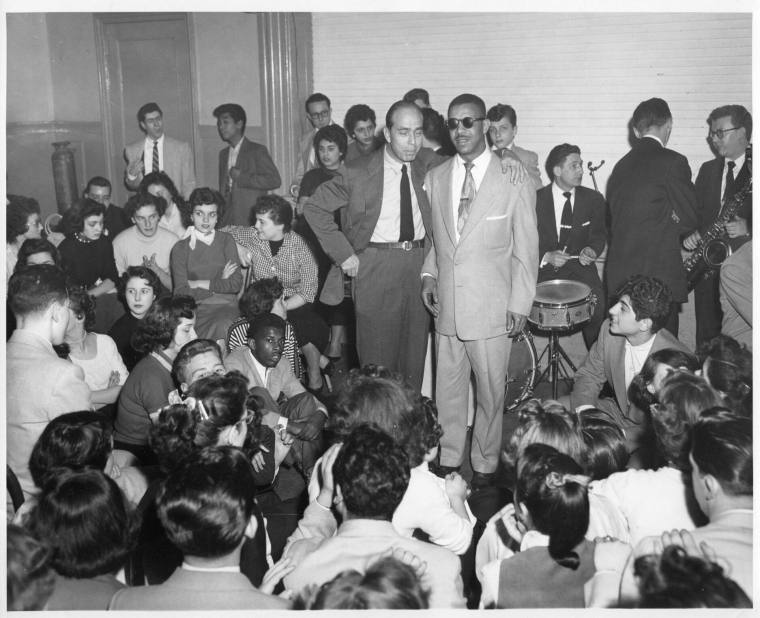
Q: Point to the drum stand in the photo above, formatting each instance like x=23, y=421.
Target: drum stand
x=558, y=363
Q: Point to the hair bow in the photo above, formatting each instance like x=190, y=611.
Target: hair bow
x=555, y=480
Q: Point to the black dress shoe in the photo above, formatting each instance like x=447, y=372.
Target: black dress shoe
x=481, y=480
x=443, y=471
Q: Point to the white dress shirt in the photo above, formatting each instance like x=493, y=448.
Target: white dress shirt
x=635, y=355
x=479, y=169
x=737, y=168
x=388, y=226
x=148, y=155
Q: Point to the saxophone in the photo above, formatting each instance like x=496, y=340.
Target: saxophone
x=713, y=248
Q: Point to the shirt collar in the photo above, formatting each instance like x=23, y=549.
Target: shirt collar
x=558, y=192
x=739, y=163
x=160, y=140
x=260, y=369
x=390, y=163
x=224, y=569
x=654, y=137
x=481, y=161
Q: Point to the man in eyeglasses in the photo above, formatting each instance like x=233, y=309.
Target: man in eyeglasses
x=478, y=281
x=652, y=204
x=717, y=183
x=319, y=114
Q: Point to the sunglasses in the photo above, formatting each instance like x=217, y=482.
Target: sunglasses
x=467, y=122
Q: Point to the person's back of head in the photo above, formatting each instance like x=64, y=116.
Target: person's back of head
x=31, y=579
x=721, y=446
x=33, y=290
x=675, y=579
x=652, y=113
x=554, y=490
x=259, y=297
x=547, y=422
x=207, y=503
x=727, y=366
x=419, y=431
x=433, y=126
x=76, y=440
x=606, y=451
x=417, y=94
x=37, y=247
x=372, y=394
x=642, y=392
x=86, y=521
x=387, y=583
x=690, y=393
x=371, y=473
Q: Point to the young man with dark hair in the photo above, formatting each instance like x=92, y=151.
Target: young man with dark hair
x=418, y=96
x=195, y=360
x=370, y=475
x=360, y=125
x=319, y=115
x=571, y=230
x=246, y=171
x=145, y=243
x=116, y=220
x=717, y=184
x=207, y=509
x=158, y=152
x=501, y=134
x=39, y=385
x=285, y=404
x=652, y=203
x=633, y=331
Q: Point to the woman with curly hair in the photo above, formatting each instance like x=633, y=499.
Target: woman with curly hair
x=205, y=265
x=85, y=520
x=168, y=325
x=97, y=355
x=87, y=257
x=37, y=251
x=176, y=217
x=22, y=222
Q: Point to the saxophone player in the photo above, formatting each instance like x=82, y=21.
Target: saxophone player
x=717, y=183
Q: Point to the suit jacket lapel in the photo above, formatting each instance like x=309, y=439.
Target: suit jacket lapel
x=442, y=199
x=418, y=171
x=484, y=198
x=373, y=196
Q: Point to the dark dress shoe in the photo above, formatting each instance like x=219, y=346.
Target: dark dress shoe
x=481, y=480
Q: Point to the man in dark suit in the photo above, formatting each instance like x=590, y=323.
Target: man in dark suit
x=652, y=203
x=571, y=231
x=381, y=244
x=246, y=171
x=717, y=183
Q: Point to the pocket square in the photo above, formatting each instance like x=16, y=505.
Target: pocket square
x=496, y=217
x=586, y=223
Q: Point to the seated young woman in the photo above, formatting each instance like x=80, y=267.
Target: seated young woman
x=168, y=325
x=205, y=266
x=138, y=288
x=97, y=355
x=176, y=217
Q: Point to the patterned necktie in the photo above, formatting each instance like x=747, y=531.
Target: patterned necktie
x=467, y=197
x=566, y=223
x=155, y=167
x=729, y=190
x=406, y=227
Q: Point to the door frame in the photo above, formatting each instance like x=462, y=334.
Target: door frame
x=104, y=80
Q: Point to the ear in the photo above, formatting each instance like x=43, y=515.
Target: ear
x=515, y=131
x=183, y=388
x=143, y=126
x=252, y=527
x=650, y=388
x=387, y=133
x=637, y=133
x=645, y=324
x=712, y=487
x=557, y=170
x=486, y=125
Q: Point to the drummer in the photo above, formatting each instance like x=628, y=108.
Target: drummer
x=571, y=230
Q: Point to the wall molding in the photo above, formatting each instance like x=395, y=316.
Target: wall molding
x=20, y=129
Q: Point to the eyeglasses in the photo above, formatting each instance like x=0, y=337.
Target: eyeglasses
x=466, y=122
x=721, y=133
x=319, y=115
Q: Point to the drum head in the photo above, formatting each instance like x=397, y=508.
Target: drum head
x=561, y=292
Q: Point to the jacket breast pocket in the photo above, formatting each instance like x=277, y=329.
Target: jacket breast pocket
x=497, y=229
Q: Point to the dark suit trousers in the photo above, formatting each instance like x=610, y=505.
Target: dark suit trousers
x=707, y=309
x=391, y=321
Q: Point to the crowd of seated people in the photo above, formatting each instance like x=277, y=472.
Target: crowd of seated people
x=167, y=451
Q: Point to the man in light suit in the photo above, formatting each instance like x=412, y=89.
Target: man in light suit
x=158, y=152
x=370, y=476
x=567, y=250
x=383, y=253
x=633, y=331
x=652, y=203
x=39, y=385
x=502, y=131
x=319, y=114
x=207, y=509
x=479, y=280
x=246, y=171
x=717, y=183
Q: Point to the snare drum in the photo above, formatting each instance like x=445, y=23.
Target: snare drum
x=561, y=304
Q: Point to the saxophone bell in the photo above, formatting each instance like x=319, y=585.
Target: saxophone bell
x=715, y=252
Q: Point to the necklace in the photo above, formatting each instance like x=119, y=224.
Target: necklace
x=83, y=239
